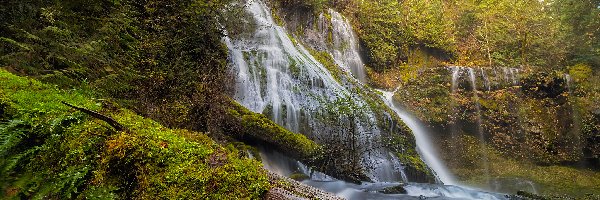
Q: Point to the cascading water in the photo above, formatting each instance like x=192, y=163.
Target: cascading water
x=486, y=80
x=424, y=145
x=508, y=77
x=454, y=87
x=484, y=158
x=575, y=116
x=283, y=165
x=281, y=79
x=568, y=81
x=511, y=75
x=344, y=49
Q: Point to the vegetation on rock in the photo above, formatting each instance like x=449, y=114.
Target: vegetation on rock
x=49, y=150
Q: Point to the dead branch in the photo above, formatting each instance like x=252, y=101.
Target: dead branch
x=99, y=116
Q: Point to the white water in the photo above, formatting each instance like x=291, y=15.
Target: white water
x=344, y=49
x=486, y=80
x=281, y=79
x=568, y=81
x=424, y=145
x=484, y=158
x=279, y=163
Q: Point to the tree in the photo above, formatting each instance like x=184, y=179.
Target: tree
x=580, y=20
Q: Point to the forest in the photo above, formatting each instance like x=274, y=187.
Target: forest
x=188, y=99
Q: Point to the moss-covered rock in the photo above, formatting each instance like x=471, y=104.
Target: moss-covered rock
x=315, y=35
x=258, y=128
x=394, y=190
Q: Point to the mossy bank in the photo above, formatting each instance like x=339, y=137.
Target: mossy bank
x=50, y=150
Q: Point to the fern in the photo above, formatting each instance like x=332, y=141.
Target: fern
x=66, y=184
x=14, y=43
x=8, y=165
x=11, y=135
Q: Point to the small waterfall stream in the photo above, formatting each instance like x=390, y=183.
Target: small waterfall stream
x=345, y=44
x=484, y=158
x=424, y=144
x=508, y=78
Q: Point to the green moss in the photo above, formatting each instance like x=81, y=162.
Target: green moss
x=327, y=61
x=580, y=72
x=259, y=127
x=276, y=18
x=294, y=68
x=50, y=150
x=299, y=176
x=426, y=94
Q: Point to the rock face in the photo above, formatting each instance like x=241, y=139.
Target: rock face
x=521, y=114
x=489, y=120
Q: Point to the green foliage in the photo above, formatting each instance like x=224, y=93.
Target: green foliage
x=580, y=22
x=507, y=33
x=427, y=97
x=49, y=151
x=146, y=53
x=580, y=72
x=315, y=5
x=390, y=28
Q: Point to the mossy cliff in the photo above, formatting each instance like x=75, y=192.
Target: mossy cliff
x=166, y=63
x=532, y=120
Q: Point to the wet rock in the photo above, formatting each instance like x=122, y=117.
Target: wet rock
x=394, y=190
x=299, y=177
x=281, y=194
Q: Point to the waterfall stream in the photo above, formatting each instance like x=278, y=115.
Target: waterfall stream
x=277, y=76
x=424, y=144
x=345, y=46
x=484, y=158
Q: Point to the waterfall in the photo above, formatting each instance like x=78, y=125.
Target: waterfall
x=484, y=158
x=486, y=80
x=506, y=78
x=455, y=76
x=424, y=145
x=281, y=79
x=511, y=76
x=568, y=81
x=575, y=115
x=454, y=118
x=345, y=45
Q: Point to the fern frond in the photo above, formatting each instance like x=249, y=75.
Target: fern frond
x=11, y=135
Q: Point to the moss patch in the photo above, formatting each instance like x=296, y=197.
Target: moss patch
x=257, y=127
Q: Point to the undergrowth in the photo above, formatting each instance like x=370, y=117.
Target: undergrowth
x=51, y=151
